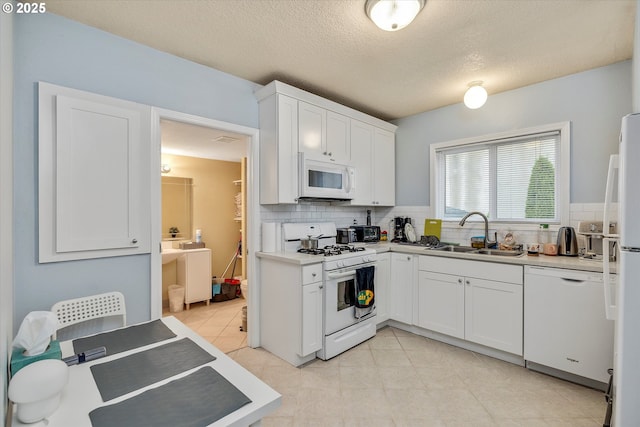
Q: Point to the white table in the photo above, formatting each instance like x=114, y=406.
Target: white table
x=81, y=395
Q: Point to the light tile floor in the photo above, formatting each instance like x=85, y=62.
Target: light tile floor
x=400, y=379
x=219, y=322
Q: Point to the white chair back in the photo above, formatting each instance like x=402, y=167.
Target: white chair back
x=89, y=313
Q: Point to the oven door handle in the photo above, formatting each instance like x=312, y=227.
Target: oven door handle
x=340, y=275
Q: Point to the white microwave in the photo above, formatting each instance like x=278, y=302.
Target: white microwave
x=325, y=180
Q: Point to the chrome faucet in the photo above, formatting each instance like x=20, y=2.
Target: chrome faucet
x=487, y=242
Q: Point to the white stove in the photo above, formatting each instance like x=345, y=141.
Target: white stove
x=349, y=257
x=343, y=327
x=334, y=255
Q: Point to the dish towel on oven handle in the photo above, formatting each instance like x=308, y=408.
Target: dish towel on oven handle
x=364, y=291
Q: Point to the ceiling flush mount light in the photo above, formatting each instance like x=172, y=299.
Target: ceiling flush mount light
x=165, y=168
x=226, y=139
x=393, y=15
x=476, y=95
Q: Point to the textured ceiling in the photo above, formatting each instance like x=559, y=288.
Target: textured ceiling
x=184, y=139
x=330, y=47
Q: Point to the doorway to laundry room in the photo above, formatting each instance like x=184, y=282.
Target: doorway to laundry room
x=203, y=192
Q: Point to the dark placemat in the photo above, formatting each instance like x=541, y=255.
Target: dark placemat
x=139, y=370
x=197, y=400
x=125, y=339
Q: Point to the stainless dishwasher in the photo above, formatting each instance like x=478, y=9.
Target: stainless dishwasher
x=565, y=327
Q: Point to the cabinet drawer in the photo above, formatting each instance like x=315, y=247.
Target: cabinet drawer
x=311, y=273
x=482, y=270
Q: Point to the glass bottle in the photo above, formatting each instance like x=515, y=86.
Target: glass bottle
x=543, y=235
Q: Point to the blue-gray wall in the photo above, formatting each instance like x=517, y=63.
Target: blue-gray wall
x=594, y=101
x=56, y=50
x=636, y=62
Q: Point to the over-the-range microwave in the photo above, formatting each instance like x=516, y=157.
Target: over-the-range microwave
x=325, y=179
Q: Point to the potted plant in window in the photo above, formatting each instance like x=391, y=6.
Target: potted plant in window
x=173, y=231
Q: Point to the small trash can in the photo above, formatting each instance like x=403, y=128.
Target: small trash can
x=244, y=318
x=244, y=289
x=176, y=298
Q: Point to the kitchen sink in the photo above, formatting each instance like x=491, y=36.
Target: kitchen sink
x=499, y=252
x=463, y=249
x=471, y=250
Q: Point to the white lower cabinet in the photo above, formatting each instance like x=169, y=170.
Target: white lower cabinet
x=493, y=314
x=193, y=271
x=291, y=308
x=311, y=318
x=441, y=303
x=382, y=294
x=477, y=301
x=401, y=287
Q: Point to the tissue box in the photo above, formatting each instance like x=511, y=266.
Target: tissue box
x=191, y=245
x=19, y=360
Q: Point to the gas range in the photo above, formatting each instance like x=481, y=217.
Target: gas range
x=332, y=250
x=341, y=256
x=334, y=255
x=342, y=326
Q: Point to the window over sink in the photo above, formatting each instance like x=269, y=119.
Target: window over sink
x=517, y=176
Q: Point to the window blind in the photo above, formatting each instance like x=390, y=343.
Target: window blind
x=511, y=179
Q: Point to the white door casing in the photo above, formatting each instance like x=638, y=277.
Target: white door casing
x=253, y=211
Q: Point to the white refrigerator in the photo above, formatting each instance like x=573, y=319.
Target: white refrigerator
x=623, y=304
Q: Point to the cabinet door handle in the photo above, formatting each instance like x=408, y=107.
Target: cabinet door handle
x=468, y=283
x=320, y=287
x=460, y=281
x=330, y=154
x=313, y=274
x=134, y=241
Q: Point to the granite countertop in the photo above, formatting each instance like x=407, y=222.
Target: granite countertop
x=572, y=263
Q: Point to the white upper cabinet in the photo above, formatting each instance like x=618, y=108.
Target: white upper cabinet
x=373, y=157
x=384, y=168
x=362, y=137
x=323, y=130
x=278, y=149
x=92, y=175
x=338, y=137
x=312, y=130
x=322, y=134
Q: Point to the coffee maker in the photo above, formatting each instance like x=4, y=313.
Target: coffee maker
x=398, y=230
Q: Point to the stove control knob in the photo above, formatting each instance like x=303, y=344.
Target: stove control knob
x=340, y=264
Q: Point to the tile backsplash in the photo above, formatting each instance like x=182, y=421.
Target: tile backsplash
x=344, y=216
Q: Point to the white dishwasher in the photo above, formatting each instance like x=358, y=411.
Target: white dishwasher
x=564, y=322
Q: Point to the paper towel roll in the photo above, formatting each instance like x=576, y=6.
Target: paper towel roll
x=279, y=237
x=268, y=237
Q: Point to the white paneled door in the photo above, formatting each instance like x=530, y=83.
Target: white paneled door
x=92, y=175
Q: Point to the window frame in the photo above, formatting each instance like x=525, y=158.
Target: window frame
x=436, y=193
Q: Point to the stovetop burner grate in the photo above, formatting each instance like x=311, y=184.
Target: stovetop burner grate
x=311, y=251
x=331, y=250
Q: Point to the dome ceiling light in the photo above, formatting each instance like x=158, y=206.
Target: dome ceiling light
x=393, y=15
x=476, y=95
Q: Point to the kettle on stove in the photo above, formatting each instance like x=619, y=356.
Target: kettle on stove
x=567, y=241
